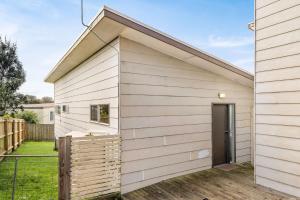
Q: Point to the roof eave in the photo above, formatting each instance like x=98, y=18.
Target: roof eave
x=86, y=31
x=140, y=27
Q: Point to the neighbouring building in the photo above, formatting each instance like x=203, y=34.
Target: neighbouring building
x=277, y=95
x=45, y=112
x=178, y=109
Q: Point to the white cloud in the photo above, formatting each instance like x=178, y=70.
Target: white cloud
x=217, y=41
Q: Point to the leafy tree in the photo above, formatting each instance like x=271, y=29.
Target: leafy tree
x=15, y=103
x=6, y=116
x=28, y=116
x=31, y=99
x=47, y=100
x=12, y=76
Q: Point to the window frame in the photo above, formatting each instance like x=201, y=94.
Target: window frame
x=98, y=115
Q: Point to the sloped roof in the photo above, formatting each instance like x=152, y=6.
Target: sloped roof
x=109, y=24
x=38, y=105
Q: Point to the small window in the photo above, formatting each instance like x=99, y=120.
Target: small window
x=57, y=109
x=51, y=116
x=65, y=109
x=100, y=113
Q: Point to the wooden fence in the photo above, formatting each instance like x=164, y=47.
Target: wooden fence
x=12, y=134
x=40, y=132
x=89, y=166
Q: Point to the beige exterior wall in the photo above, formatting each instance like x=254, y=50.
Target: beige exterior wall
x=166, y=115
x=278, y=95
x=95, y=81
x=46, y=115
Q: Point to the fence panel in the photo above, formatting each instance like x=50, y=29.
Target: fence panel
x=11, y=134
x=91, y=166
x=40, y=132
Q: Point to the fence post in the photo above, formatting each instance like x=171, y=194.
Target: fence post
x=18, y=132
x=64, y=153
x=6, y=135
x=13, y=134
x=21, y=131
x=24, y=131
x=15, y=179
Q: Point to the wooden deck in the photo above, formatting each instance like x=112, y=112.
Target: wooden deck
x=213, y=184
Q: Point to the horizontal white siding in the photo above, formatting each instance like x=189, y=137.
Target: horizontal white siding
x=166, y=116
x=263, y=3
x=95, y=81
x=277, y=95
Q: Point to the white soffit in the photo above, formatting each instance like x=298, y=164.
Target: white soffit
x=85, y=46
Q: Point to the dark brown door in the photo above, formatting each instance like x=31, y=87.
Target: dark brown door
x=220, y=138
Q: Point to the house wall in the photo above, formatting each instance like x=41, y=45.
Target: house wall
x=45, y=118
x=166, y=116
x=278, y=94
x=95, y=81
x=46, y=115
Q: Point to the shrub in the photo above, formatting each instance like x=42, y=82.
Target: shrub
x=28, y=116
x=6, y=116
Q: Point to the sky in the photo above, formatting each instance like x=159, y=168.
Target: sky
x=45, y=29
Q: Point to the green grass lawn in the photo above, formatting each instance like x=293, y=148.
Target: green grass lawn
x=37, y=178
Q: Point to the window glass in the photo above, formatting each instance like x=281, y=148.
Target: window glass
x=51, y=116
x=65, y=108
x=94, y=112
x=104, y=113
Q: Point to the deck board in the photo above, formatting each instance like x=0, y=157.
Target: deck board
x=213, y=184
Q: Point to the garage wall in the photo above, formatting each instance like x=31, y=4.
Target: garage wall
x=278, y=94
x=166, y=116
x=95, y=81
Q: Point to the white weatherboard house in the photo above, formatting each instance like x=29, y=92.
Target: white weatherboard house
x=177, y=109
x=278, y=95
